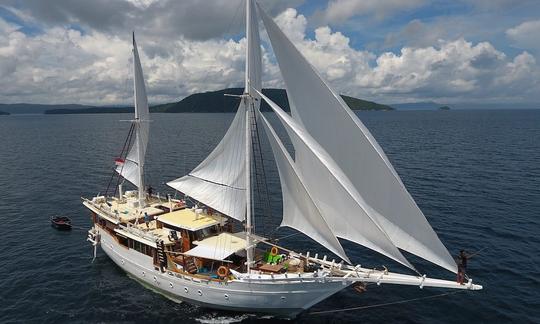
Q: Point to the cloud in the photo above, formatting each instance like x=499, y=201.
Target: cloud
x=525, y=35
x=193, y=19
x=65, y=65
x=338, y=11
x=455, y=70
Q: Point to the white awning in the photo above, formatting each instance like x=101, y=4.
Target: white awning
x=219, y=247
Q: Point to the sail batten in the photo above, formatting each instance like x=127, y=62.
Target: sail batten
x=316, y=107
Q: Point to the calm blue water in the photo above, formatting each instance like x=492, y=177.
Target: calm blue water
x=475, y=174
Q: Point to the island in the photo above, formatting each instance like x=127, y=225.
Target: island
x=91, y=110
x=444, y=108
x=216, y=102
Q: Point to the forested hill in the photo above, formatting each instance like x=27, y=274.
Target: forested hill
x=216, y=101
x=205, y=102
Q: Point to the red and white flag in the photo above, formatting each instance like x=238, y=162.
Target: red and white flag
x=119, y=161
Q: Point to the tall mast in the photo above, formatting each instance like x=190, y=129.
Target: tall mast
x=249, y=226
x=247, y=103
x=247, y=88
x=137, y=122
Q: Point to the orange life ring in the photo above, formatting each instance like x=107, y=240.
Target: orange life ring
x=222, y=271
x=274, y=251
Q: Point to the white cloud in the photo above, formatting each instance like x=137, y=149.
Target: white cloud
x=63, y=65
x=526, y=35
x=340, y=10
x=453, y=70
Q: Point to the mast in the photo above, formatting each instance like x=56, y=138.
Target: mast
x=247, y=103
x=249, y=214
x=137, y=122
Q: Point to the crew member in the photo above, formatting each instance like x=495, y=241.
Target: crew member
x=462, y=259
x=146, y=219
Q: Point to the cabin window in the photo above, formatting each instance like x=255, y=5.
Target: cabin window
x=123, y=240
x=138, y=246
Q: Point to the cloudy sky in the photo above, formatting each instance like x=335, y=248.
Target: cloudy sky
x=78, y=51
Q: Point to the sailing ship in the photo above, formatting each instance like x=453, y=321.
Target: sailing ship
x=338, y=184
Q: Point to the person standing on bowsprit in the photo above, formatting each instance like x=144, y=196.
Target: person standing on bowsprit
x=462, y=259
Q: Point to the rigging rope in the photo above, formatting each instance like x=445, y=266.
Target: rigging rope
x=383, y=304
x=285, y=237
x=124, y=149
x=125, y=152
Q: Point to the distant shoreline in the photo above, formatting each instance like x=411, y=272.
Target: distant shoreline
x=206, y=102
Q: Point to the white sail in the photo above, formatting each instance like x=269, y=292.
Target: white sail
x=219, y=181
x=338, y=130
x=300, y=211
x=133, y=166
x=344, y=210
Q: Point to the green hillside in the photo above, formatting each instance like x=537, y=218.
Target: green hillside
x=208, y=102
x=91, y=110
x=216, y=101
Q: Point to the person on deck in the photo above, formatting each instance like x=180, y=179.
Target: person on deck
x=462, y=259
x=146, y=219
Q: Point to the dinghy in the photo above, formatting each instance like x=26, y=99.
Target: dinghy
x=61, y=223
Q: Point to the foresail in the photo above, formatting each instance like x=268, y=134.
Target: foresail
x=299, y=209
x=338, y=130
x=346, y=213
x=129, y=170
x=219, y=181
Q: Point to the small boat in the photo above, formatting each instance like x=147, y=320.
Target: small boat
x=61, y=222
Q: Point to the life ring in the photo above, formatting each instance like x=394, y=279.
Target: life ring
x=222, y=271
x=274, y=251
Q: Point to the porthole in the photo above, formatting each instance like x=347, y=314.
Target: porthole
x=171, y=285
x=199, y=292
x=155, y=279
x=226, y=297
x=143, y=274
x=122, y=261
x=186, y=290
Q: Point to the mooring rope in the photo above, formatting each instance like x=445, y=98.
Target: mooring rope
x=383, y=304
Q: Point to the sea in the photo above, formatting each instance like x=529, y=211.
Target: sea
x=474, y=173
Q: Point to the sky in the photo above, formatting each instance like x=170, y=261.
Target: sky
x=389, y=51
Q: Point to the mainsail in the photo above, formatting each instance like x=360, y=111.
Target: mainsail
x=133, y=167
x=317, y=108
x=219, y=181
